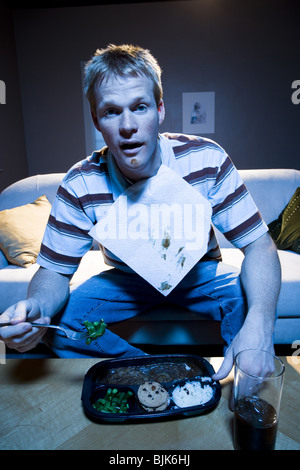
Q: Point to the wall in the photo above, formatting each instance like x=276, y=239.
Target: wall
x=247, y=52
x=12, y=144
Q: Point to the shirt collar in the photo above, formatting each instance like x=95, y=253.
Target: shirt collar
x=120, y=183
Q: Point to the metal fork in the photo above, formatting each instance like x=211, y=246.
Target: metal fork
x=68, y=333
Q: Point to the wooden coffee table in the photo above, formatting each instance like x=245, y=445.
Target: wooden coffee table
x=40, y=408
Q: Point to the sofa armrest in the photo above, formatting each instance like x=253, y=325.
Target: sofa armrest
x=3, y=261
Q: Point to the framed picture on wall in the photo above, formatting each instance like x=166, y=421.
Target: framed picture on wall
x=198, y=112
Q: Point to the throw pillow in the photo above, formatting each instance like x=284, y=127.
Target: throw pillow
x=285, y=231
x=21, y=231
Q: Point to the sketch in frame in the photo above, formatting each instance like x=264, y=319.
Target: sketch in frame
x=198, y=113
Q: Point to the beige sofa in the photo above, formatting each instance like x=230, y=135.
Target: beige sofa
x=271, y=190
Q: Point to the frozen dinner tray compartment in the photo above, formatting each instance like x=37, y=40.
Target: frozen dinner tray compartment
x=112, y=388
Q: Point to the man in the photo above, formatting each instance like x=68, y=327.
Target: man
x=123, y=85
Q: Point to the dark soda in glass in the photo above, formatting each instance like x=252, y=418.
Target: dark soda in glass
x=255, y=424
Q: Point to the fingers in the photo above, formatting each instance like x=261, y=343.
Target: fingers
x=9, y=332
x=258, y=367
x=25, y=341
x=17, y=313
x=226, y=366
x=22, y=336
x=256, y=364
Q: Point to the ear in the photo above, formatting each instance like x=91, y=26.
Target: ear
x=161, y=112
x=95, y=121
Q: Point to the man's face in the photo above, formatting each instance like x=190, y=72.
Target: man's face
x=128, y=117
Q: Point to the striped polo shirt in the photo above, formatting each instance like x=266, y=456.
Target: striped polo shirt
x=92, y=185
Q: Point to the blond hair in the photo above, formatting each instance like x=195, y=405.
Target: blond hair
x=123, y=61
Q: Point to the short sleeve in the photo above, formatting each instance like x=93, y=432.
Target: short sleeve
x=234, y=212
x=66, y=237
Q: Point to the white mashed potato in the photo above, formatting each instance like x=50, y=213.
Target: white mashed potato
x=192, y=394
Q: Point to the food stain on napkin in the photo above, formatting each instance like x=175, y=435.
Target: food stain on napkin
x=159, y=227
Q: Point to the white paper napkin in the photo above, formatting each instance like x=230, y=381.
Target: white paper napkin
x=159, y=227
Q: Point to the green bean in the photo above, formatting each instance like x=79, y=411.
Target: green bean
x=95, y=330
x=115, y=401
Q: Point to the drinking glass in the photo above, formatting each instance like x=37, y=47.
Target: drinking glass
x=258, y=382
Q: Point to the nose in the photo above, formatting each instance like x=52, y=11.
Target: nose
x=128, y=125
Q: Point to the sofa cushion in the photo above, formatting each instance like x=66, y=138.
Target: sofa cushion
x=21, y=231
x=271, y=189
x=28, y=189
x=14, y=284
x=289, y=298
x=14, y=279
x=91, y=264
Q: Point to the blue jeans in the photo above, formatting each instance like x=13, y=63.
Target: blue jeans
x=211, y=289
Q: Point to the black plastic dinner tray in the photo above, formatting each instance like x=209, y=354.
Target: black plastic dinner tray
x=95, y=386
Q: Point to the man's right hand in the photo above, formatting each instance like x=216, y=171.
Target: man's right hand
x=21, y=335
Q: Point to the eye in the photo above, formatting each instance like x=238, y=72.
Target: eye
x=110, y=112
x=141, y=108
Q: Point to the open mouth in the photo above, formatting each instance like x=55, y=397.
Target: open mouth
x=131, y=145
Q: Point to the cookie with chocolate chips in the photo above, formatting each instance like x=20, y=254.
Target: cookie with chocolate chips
x=153, y=396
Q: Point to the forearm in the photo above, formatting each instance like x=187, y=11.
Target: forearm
x=50, y=290
x=47, y=294
x=261, y=279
